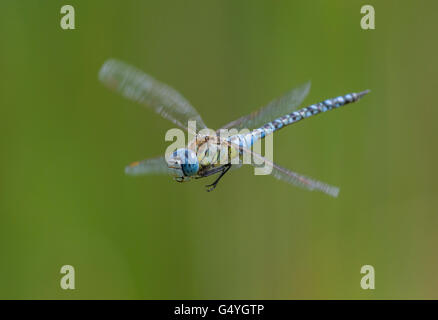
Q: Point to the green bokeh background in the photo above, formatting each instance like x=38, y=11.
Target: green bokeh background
x=65, y=139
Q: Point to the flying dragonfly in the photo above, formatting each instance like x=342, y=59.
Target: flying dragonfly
x=208, y=155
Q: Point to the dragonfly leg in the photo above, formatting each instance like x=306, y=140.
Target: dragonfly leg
x=211, y=187
x=213, y=171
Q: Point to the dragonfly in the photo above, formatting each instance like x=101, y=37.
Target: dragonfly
x=208, y=155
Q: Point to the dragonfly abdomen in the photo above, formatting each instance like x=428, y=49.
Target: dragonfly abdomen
x=304, y=113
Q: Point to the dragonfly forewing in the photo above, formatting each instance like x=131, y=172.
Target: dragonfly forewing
x=154, y=166
x=140, y=87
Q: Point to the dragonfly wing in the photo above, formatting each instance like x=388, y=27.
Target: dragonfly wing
x=287, y=175
x=138, y=86
x=275, y=109
x=302, y=181
x=154, y=166
x=235, y=167
x=296, y=179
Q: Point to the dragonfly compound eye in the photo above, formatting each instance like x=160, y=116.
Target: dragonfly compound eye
x=183, y=163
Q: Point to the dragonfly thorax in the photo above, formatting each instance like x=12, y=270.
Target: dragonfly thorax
x=183, y=163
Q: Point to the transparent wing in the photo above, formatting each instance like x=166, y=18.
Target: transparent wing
x=148, y=167
x=275, y=109
x=289, y=176
x=302, y=181
x=137, y=86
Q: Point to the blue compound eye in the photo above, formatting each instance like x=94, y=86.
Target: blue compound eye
x=190, y=164
x=185, y=161
x=190, y=169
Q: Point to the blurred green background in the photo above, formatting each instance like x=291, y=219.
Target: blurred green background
x=65, y=139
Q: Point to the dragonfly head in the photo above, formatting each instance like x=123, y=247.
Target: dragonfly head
x=183, y=164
